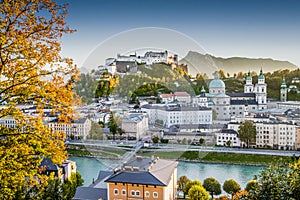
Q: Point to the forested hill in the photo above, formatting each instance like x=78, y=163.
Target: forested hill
x=198, y=62
x=160, y=78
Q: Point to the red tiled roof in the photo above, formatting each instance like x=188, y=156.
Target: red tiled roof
x=166, y=95
x=181, y=94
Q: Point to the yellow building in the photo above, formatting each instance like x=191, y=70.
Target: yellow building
x=297, y=143
x=144, y=178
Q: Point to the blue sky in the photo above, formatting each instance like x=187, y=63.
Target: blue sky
x=225, y=28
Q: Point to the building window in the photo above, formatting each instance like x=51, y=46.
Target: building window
x=132, y=192
x=147, y=194
x=123, y=192
x=116, y=191
x=155, y=194
x=137, y=193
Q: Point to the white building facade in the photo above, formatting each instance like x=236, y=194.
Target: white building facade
x=135, y=125
x=280, y=136
x=228, y=137
x=79, y=129
x=174, y=114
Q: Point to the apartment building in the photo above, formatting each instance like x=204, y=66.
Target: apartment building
x=144, y=178
x=275, y=135
x=78, y=129
x=175, y=114
x=135, y=125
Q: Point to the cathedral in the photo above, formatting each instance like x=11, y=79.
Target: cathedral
x=226, y=105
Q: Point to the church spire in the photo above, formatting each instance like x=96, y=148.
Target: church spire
x=283, y=84
x=283, y=91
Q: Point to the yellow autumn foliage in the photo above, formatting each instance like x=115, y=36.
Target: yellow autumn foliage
x=32, y=72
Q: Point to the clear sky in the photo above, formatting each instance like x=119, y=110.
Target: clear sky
x=223, y=28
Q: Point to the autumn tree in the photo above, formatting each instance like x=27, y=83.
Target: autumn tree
x=197, y=192
x=222, y=74
x=247, y=132
x=189, y=185
x=182, y=181
x=231, y=187
x=32, y=72
x=240, y=195
x=212, y=186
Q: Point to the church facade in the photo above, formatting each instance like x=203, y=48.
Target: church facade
x=226, y=105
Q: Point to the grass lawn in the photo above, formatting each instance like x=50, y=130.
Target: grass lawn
x=78, y=152
x=232, y=158
x=166, y=155
x=83, y=151
x=217, y=157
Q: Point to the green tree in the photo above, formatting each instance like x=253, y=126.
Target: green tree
x=201, y=141
x=251, y=185
x=212, y=186
x=189, y=184
x=155, y=140
x=247, y=132
x=182, y=181
x=33, y=72
x=231, y=187
x=58, y=190
x=70, y=185
x=85, y=87
x=278, y=181
x=53, y=190
x=96, y=131
x=214, y=114
x=112, y=125
x=197, y=192
x=184, y=141
x=228, y=143
x=121, y=132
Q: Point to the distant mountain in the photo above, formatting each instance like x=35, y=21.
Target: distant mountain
x=198, y=62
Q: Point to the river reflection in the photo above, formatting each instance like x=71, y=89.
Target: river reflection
x=242, y=174
x=89, y=169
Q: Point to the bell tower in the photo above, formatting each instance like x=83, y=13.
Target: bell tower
x=248, y=87
x=283, y=91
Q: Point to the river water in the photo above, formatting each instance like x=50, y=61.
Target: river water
x=89, y=169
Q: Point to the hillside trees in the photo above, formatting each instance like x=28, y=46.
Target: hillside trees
x=32, y=71
x=85, y=87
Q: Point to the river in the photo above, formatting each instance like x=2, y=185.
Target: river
x=89, y=169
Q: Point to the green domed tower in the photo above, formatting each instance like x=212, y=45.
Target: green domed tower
x=248, y=87
x=283, y=91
